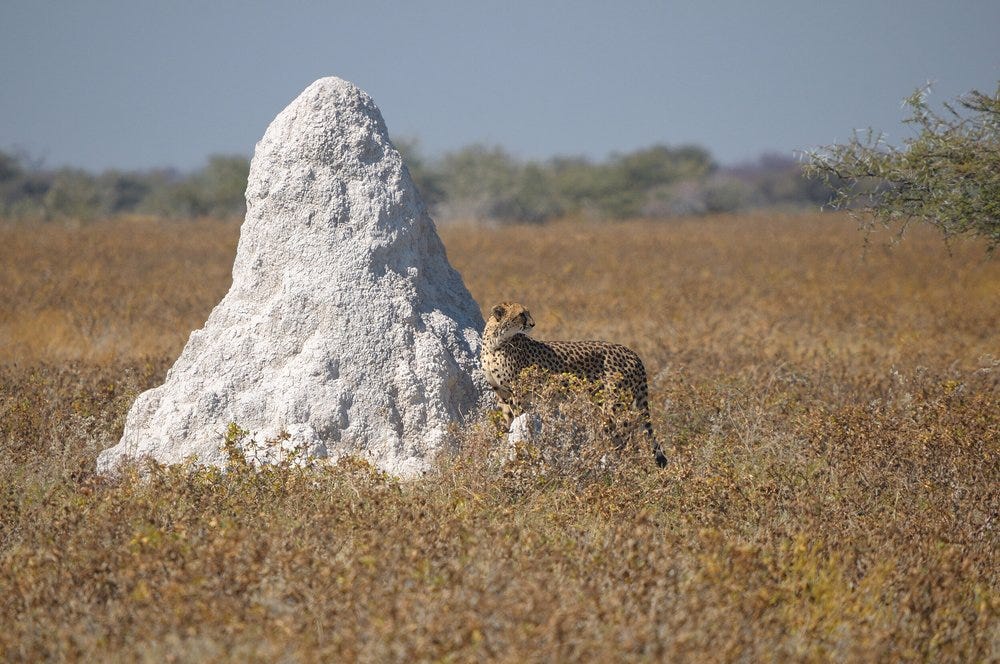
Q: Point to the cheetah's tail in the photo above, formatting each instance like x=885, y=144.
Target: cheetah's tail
x=661, y=458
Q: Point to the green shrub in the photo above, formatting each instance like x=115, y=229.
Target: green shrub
x=947, y=176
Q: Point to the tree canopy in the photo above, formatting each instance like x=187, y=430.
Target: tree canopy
x=947, y=175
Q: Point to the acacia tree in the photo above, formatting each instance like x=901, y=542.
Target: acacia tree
x=948, y=175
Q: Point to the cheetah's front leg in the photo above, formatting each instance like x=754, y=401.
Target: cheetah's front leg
x=505, y=402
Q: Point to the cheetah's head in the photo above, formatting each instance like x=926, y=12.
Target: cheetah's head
x=506, y=319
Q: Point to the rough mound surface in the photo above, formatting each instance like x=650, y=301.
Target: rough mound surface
x=345, y=331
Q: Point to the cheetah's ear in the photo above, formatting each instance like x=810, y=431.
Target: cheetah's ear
x=498, y=312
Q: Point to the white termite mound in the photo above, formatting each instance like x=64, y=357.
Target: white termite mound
x=345, y=331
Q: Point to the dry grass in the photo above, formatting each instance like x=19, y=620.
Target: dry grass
x=832, y=416
x=124, y=289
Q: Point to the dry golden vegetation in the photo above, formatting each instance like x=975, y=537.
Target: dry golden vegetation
x=831, y=414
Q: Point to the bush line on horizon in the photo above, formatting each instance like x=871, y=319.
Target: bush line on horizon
x=478, y=183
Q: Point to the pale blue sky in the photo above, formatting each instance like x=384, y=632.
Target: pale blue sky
x=140, y=83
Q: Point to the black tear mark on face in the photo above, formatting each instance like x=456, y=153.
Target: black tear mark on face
x=498, y=312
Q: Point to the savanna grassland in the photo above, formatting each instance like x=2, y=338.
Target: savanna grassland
x=831, y=411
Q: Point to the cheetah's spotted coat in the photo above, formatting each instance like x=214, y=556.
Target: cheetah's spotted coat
x=507, y=351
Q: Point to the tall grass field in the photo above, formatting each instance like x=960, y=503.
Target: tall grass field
x=830, y=407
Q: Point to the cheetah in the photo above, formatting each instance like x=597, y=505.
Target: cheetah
x=507, y=350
